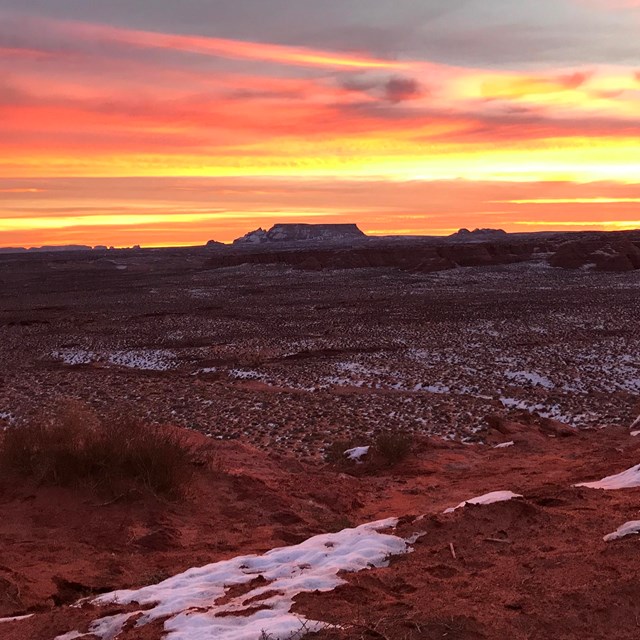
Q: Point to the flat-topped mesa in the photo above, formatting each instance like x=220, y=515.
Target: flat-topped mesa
x=302, y=232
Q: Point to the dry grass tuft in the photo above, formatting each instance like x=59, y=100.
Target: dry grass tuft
x=72, y=447
x=392, y=447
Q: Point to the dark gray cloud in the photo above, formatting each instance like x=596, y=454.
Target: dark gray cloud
x=399, y=89
x=394, y=89
x=467, y=32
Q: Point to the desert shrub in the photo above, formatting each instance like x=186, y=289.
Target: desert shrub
x=392, y=447
x=71, y=446
x=387, y=450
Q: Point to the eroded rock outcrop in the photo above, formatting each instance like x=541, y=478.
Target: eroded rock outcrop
x=600, y=254
x=423, y=259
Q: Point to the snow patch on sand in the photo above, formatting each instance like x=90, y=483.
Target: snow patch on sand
x=192, y=604
x=626, y=480
x=487, y=498
x=357, y=453
x=504, y=445
x=530, y=376
x=627, y=529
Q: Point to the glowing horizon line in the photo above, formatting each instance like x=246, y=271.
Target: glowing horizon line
x=39, y=223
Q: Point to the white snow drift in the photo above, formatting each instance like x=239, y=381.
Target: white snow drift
x=627, y=529
x=625, y=480
x=357, y=453
x=191, y=601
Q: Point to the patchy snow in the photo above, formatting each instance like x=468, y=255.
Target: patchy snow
x=545, y=410
x=627, y=529
x=357, y=453
x=73, y=356
x=625, y=480
x=528, y=376
x=190, y=601
x=246, y=374
x=636, y=423
x=487, y=498
x=144, y=359
x=635, y=433
x=437, y=388
x=504, y=445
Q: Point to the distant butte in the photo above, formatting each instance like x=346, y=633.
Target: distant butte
x=302, y=232
x=478, y=234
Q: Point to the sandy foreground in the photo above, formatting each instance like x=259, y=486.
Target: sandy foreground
x=530, y=567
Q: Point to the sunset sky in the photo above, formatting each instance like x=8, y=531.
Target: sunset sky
x=165, y=122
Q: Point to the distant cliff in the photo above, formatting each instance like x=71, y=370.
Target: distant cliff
x=302, y=232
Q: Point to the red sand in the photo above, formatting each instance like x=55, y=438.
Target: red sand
x=531, y=568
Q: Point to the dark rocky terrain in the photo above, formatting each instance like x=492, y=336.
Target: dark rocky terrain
x=244, y=344
x=614, y=251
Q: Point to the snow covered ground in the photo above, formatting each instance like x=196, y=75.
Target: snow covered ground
x=194, y=605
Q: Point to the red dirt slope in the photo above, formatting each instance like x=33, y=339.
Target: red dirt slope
x=530, y=568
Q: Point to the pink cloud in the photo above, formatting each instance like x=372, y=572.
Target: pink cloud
x=69, y=32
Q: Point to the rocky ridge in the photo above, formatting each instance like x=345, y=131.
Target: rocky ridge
x=311, y=247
